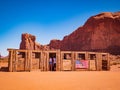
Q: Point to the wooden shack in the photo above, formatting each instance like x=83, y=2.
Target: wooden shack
x=56, y=60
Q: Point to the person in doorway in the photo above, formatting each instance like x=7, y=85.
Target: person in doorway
x=54, y=62
x=50, y=64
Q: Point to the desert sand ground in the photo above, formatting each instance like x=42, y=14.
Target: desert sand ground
x=69, y=80
x=83, y=80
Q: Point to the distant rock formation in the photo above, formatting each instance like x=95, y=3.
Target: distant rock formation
x=29, y=43
x=100, y=33
x=55, y=44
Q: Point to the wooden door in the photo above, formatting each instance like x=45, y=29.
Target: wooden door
x=36, y=60
x=21, y=64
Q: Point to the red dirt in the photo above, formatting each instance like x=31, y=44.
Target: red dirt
x=90, y=80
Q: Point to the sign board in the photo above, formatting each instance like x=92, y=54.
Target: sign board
x=35, y=63
x=66, y=64
x=92, y=65
x=81, y=64
x=20, y=64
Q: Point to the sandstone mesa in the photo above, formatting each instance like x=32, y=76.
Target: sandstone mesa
x=100, y=33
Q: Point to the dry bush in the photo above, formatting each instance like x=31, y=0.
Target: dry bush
x=114, y=59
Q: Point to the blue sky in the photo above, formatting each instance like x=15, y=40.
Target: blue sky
x=46, y=19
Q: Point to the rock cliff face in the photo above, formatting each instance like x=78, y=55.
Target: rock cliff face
x=100, y=33
x=29, y=42
x=56, y=44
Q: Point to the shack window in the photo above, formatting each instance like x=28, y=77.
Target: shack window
x=81, y=56
x=21, y=54
x=103, y=57
x=92, y=56
x=36, y=55
x=67, y=56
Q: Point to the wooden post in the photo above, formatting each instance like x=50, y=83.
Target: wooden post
x=46, y=57
x=41, y=62
x=73, y=61
x=76, y=58
x=58, y=61
x=27, y=60
x=108, y=61
x=44, y=60
x=87, y=58
x=30, y=53
x=10, y=60
x=47, y=61
x=16, y=60
x=61, y=64
x=97, y=61
x=100, y=62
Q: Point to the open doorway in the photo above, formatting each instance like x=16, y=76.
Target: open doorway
x=52, y=61
x=104, y=62
x=81, y=56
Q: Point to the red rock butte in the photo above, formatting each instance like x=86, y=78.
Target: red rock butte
x=100, y=33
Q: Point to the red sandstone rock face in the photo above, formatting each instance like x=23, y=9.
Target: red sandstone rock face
x=28, y=42
x=55, y=44
x=100, y=33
